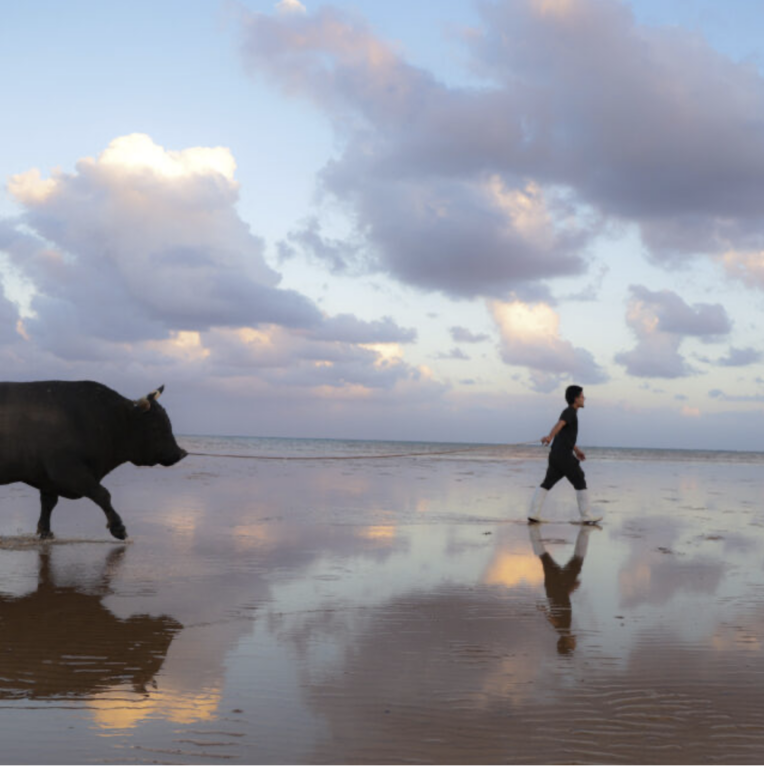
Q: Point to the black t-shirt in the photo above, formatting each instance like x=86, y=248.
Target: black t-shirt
x=565, y=440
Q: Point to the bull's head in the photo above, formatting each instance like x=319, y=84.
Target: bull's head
x=155, y=443
x=145, y=402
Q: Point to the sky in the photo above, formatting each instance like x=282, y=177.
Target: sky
x=416, y=221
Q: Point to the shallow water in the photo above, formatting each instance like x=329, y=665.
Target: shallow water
x=388, y=610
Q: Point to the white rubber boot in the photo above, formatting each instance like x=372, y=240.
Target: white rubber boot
x=582, y=542
x=537, y=502
x=583, y=508
x=538, y=546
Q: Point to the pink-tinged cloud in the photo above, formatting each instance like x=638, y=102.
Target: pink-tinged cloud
x=530, y=337
x=745, y=266
x=584, y=114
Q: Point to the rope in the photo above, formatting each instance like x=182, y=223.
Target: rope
x=353, y=458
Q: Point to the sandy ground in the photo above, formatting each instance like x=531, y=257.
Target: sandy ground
x=387, y=611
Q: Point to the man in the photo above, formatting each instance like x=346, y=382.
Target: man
x=565, y=459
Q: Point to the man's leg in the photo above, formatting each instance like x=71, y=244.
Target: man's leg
x=576, y=476
x=553, y=474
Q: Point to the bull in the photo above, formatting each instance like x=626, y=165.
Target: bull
x=64, y=437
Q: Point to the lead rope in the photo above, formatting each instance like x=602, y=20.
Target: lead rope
x=354, y=458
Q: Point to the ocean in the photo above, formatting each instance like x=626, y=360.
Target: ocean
x=334, y=449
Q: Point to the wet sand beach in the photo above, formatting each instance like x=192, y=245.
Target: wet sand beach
x=388, y=610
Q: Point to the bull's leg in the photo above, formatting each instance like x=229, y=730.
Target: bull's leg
x=75, y=481
x=47, y=502
x=114, y=523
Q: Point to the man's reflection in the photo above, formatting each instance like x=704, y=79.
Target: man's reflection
x=560, y=583
x=60, y=641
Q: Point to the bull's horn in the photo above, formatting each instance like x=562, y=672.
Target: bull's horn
x=145, y=402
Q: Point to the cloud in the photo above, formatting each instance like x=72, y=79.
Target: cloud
x=338, y=256
x=465, y=336
x=9, y=319
x=348, y=328
x=456, y=237
x=746, y=266
x=290, y=6
x=740, y=357
x=656, y=356
x=275, y=360
x=719, y=394
x=590, y=292
x=457, y=225
x=454, y=354
x=142, y=240
x=530, y=337
x=661, y=320
x=666, y=312
x=583, y=117
x=646, y=123
x=141, y=268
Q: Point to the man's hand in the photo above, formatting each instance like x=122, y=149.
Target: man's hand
x=546, y=440
x=580, y=455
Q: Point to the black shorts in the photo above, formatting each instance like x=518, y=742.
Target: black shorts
x=564, y=466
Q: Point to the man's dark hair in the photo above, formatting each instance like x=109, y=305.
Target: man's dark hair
x=572, y=392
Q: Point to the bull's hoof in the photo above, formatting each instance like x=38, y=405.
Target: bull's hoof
x=118, y=531
x=46, y=535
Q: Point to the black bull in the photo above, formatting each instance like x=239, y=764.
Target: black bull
x=64, y=437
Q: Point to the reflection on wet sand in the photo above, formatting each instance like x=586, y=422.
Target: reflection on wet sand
x=560, y=582
x=322, y=613
x=61, y=642
x=510, y=568
x=118, y=710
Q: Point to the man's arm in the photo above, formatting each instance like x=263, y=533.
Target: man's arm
x=555, y=429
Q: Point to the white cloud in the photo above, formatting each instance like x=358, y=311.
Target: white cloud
x=142, y=241
x=141, y=268
x=138, y=152
x=530, y=337
x=290, y=7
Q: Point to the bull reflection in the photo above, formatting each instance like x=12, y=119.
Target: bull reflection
x=560, y=582
x=60, y=641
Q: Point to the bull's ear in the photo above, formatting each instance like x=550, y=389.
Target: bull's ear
x=155, y=394
x=144, y=404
